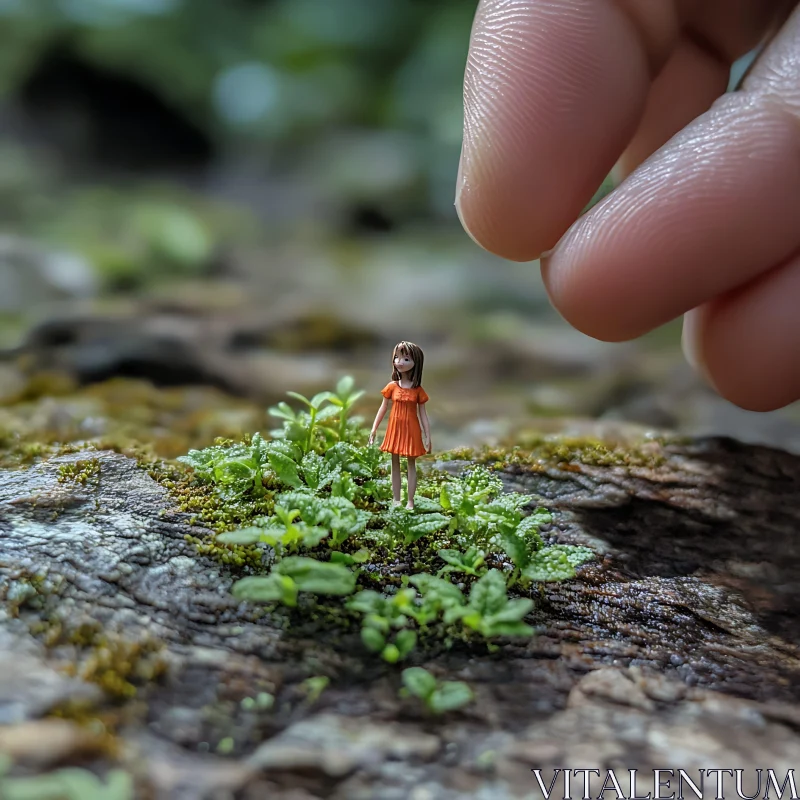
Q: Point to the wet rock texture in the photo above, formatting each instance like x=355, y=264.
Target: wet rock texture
x=678, y=648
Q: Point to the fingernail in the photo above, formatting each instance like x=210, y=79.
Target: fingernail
x=690, y=343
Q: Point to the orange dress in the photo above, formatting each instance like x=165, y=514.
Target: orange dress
x=403, y=434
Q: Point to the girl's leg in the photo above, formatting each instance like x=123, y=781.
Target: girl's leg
x=396, y=479
x=412, y=481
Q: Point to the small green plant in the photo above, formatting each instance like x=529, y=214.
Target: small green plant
x=438, y=696
x=71, y=783
x=335, y=513
x=533, y=560
x=324, y=421
x=235, y=470
x=381, y=616
x=263, y=701
x=296, y=574
x=439, y=598
x=492, y=613
x=344, y=398
x=479, y=508
x=470, y=563
x=317, y=413
x=314, y=687
x=406, y=526
x=284, y=535
x=317, y=489
x=556, y=563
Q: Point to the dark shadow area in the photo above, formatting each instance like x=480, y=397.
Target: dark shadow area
x=95, y=350
x=752, y=549
x=108, y=119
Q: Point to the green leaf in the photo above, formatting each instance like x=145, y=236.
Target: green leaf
x=391, y=654
x=488, y=594
x=373, y=639
x=306, y=504
x=419, y=682
x=343, y=485
x=550, y=564
x=437, y=590
x=300, y=397
x=379, y=488
x=235, y=473
x=344, y=455
x=285, y=469
x=450, y=696
x=454, y=613
x=515, y=548
x=283, y=411
x=416, y=526
x=468, y=562
x=267, y=588
x=314, y=687
x=296, y=431
x=513, y=611
x=316, y=471
x=528, y=530
x=406, y=641
x=490, y=629
x=250, y=535
x=576, y=554
x=327, y=413
x=367, y=601
x=310, y=535
x=345, y=386
x=318, y=577
x=318, y=399
x=426, y=505
x=348, y=559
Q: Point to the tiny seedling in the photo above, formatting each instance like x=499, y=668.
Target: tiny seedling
x=314, y=687
x=439, y=696
x=296, y=574
x=472, y=562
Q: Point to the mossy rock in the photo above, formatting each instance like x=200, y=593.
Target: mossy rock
x=685, y=630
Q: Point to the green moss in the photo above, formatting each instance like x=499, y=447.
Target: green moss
x=21, y=589
x=116, y=664
x=537, y=452
x=136, y=418
x=79, y=471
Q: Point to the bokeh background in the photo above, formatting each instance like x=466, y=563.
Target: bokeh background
x=232, y=199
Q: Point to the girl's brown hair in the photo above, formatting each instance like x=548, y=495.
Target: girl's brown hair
x=415, y=353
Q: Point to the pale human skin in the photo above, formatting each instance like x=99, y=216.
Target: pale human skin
x=707, y=222
x=403, y=364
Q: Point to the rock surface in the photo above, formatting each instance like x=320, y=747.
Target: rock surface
x=678, y=648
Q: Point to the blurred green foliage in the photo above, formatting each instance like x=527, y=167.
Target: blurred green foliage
x=263, y=69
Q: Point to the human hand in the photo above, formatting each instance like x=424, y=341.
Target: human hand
x=557, y=91
x=428, y=447
x=371, y=438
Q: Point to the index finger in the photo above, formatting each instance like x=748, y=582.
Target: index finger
x=553, y=91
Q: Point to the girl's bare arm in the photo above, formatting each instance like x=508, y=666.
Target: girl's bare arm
x=378, y=417
x=426, y=426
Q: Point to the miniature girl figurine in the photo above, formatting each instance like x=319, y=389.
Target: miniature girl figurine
x=403, y=435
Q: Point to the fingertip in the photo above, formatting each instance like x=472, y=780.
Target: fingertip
x=749, y=341
x=592, y=313
x=551, y=97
